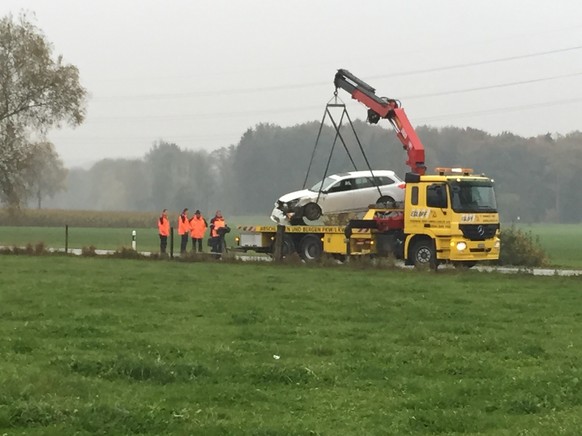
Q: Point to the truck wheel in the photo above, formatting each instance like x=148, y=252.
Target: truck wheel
x=311, y=248
x=311, y=211
x=424, y=254
x=288, y=246
x=386, y=201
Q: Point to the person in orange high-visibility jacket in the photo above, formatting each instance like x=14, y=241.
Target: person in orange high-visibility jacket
x=183, y=230
x=218, y=228
x=198, y=226
x=163, y=230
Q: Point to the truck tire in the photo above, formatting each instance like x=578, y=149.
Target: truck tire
x=287, y=248
x=423, y=254
x=312, y=211
x=311, y=248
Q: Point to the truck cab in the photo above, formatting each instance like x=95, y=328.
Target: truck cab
x=450, y=216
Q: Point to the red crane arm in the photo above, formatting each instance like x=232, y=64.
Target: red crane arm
x=381, y=107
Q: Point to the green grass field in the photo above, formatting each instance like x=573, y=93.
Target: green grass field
x=561, y=242
x=103, y=238
x=114, y=346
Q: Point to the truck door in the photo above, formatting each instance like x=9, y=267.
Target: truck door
x=437, y=202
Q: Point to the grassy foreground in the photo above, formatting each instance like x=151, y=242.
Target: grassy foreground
x=110, y=346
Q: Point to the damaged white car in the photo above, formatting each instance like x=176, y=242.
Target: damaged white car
x=345, y=192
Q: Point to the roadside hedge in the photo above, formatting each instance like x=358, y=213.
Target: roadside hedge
x=521, y=248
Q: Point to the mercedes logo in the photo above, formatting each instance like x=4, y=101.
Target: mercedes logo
x=481, y=230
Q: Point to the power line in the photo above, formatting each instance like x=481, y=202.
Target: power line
x=474, y=64
x=540, y=105
x=495, y=111
x=234, y=114
x=238, y=91
x=499, y=85
x=312, y=107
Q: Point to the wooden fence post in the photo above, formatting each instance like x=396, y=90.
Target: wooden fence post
x=278, y=246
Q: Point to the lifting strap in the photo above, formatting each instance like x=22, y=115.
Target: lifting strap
x=337, y=126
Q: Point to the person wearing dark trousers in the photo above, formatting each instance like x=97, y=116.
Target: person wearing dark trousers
x=183, y=230
x=163, y=230
x=198, y=226
x=218, y=229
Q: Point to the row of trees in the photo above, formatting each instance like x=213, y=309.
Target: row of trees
x=536, y=178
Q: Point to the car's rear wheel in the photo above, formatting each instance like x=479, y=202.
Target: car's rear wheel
x=311, y=248
x=312, y=211
x=386, y=201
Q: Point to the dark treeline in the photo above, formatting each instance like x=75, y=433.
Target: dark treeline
x=537, y=179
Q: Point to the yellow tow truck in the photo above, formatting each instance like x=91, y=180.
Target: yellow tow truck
x=450, y=216
x=447, y=217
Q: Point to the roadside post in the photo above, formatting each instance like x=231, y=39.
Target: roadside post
x=278, y=246
x=133, y=241
x=171, y=242
x=66, y=239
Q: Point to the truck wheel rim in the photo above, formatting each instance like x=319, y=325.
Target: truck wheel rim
x=423, y=255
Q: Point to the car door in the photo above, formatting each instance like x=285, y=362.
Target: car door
x=338, y=197
x=366, y=194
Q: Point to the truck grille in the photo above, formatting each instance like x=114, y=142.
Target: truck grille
x=478, y=232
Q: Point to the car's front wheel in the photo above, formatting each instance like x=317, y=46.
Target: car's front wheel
x=312, y=211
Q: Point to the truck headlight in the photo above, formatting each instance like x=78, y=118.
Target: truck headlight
x=497, y=244
x=461, y=246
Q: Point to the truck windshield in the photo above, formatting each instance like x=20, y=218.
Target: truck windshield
x=323, y=185
x=473, y=196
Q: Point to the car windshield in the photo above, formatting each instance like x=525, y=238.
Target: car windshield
x=473, y=196
x=323, y=185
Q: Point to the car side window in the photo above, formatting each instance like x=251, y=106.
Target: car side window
x=342, y=185
x=383, y=180
x=364, y=182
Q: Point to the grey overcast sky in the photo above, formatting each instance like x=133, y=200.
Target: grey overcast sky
x=200, y=73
